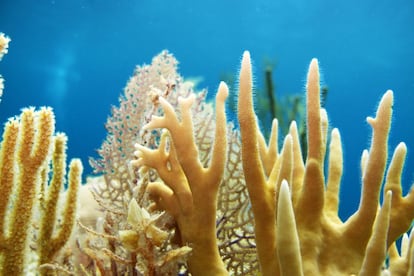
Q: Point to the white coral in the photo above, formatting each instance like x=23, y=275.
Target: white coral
x=4, y=44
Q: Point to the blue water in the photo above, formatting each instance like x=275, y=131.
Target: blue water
x=76, y=56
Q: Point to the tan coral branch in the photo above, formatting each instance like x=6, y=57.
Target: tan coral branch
x=262, y=194
x=181, y=170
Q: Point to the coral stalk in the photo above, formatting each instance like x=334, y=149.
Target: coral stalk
x=54, y=235
x=261, y=193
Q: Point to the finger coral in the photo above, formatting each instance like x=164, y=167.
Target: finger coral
x=189, y=190
x=327, y=246
x=29, y=221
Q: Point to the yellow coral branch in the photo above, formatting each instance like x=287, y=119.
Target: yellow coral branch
x=51, y=196
x=176, y=196
x=52, y=237
x=7, y=174
x=402, y=211
x=269, y=153
x=335, y=174
x=262, y=194
x=402, y=264
x=377, y=246
x=375, y=167
x=288, y=245
x=298, y=166
x=32, y=150
x=313, y=117
x=190, y=194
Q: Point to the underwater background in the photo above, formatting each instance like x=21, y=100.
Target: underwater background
x=77, y=56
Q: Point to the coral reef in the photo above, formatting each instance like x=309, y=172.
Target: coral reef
x=180, y=190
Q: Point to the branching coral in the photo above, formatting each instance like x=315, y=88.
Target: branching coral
x=327, y=246
x=190, y=193
x=55, y=230
x=25, y=152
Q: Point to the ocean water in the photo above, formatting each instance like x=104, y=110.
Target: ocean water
x=77, y=55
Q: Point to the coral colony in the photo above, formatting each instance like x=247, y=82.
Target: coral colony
x=180, y=190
